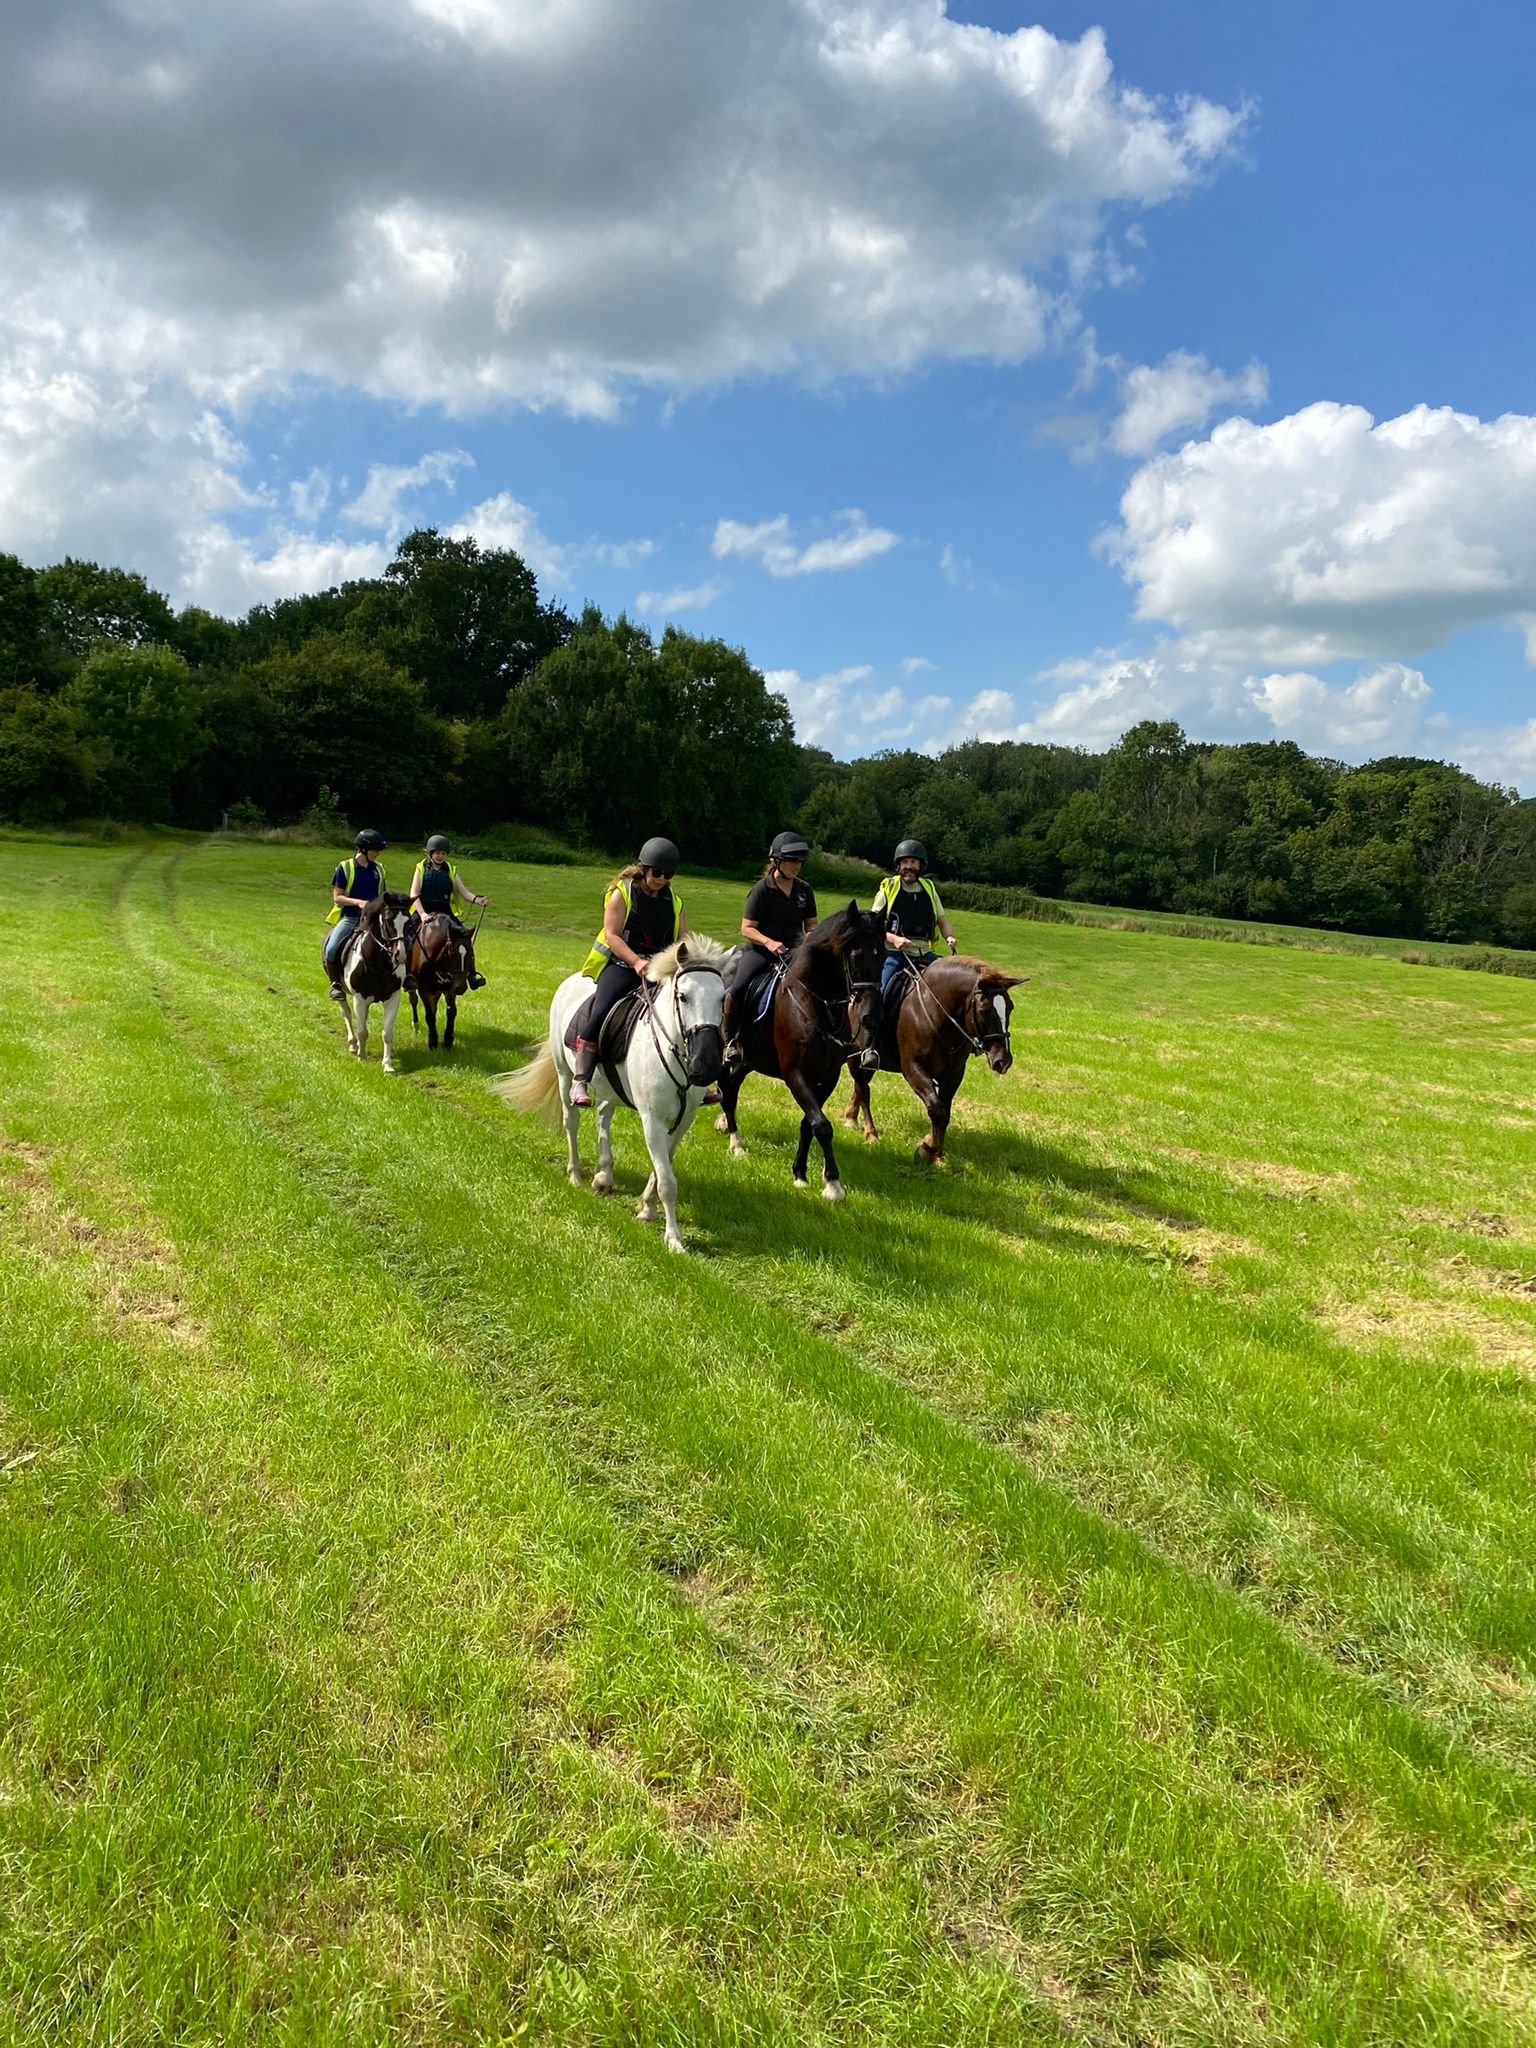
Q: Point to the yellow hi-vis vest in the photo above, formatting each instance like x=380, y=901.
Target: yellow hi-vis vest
x=421, y=869
x=600, y=954
x=890, y=889
x=349, y=870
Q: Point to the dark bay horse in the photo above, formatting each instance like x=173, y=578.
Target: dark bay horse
x=951, y=1010
x=442, y=960
x=826, y=1007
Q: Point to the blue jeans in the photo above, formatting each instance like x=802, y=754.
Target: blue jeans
x=341, y=931
x=897, y=963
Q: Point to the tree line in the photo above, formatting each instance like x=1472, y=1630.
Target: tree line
x=447, y=692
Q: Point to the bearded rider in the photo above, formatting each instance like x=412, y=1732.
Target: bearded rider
x=641, y=916
x=778, y=913
x=909, y=903
x=434, y=886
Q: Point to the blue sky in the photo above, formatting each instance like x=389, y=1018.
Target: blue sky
x=911, y=350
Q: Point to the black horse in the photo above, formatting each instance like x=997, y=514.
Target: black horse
x=825, y=1011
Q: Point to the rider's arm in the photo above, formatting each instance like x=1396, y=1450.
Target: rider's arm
x=682, y=924
x=613, y=933
x=466, y=892
x=754, y=937
x=346, y=902
x=416, y=887
x=949, y=932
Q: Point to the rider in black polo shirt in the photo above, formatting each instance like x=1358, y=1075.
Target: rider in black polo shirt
x=779, y=912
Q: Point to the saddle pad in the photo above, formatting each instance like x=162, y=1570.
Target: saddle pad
x=758, y=998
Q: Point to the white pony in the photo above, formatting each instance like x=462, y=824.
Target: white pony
x=674, y=1055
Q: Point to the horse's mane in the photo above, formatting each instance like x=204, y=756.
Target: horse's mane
x=829, y=934
x=387, y=899
x=698, y=946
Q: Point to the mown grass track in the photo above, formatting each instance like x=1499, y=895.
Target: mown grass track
x=1084, y=1595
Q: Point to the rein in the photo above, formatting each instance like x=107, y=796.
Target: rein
x=827, y=1003
x=975, y=1045
x=648, y=1001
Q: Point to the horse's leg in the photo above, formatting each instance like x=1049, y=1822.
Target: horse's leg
x=572, y=1129
x=815, y=1123
x=429, y=1003
x=658, y=1142
x=361, y=1005
x=391, y=1012
x=730, y=1095
x=859, y=1107
x=936, y=1097
x=453, y=1011
x=602, y=1180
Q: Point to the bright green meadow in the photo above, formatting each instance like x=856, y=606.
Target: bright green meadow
x=1087, y=1594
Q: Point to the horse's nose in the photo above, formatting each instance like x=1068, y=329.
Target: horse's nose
x=706, y=1056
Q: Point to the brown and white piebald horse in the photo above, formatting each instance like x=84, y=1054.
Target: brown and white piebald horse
x=442, y=960
x=373, y=972
x=952, y=1009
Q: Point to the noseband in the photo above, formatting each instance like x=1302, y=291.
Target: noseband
x=679, y=1079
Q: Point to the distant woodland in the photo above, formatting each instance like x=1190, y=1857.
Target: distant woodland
x=447, y=694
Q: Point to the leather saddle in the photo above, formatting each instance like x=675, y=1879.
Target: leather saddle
x=614, y=1039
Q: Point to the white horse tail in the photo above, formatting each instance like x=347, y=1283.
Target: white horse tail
x=534, y=1089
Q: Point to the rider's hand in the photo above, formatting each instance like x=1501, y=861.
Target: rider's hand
x=954, y=945
x=484, y=902
x=778, y=949
x=643, y=967
x=898, y=942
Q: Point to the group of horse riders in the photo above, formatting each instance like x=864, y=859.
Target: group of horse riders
x=643, y=914
x=436, y=886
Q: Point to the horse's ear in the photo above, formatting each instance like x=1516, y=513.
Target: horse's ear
x=853, y=906
x=682, y=952
x=999, y=980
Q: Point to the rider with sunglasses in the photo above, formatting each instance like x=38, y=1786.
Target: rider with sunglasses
x=641, y=916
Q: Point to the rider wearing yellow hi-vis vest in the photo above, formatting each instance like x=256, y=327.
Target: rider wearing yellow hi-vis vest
x=909, y=903
x=641, y=916
x=434, y=886
x=354, y=885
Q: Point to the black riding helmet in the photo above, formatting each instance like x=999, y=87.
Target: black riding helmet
x=439, y=843
x=788, y=846
x=912, y=849
x=369, y=841
x=660, y=854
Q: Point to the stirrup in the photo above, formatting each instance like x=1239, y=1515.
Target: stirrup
x=579, y=1098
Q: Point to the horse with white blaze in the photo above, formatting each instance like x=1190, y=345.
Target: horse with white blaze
x=672, y=1057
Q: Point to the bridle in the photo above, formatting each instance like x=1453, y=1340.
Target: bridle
x=687, y=1032
x=828, y=1005
x=974, y=1044
x=393, y=947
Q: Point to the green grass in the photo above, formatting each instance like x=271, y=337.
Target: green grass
x=1087, y=1594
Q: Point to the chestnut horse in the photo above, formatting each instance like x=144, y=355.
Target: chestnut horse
x=948, y=1011
x=826, y=1008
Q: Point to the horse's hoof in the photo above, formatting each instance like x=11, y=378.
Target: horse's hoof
x=574, y=1179
x=738, y=1150
x=645, y=1214
x=801, y=1181
x=871, y=1137
x=722, y=1123
x=602, y=1183
x=675, y=1244
x=833, y=1191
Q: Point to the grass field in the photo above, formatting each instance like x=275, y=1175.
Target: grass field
x=1085, y=1595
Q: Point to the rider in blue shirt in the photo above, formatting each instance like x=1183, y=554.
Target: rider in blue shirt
x=353, y=887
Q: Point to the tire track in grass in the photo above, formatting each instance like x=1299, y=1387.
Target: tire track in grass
x=769, y=1432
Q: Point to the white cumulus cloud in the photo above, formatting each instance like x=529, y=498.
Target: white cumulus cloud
x=773, y=544
x=663, y=604
x=480, y=203
x=1180, y=392
x=824, y=706
x=379, y=506
x=1325, y=535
